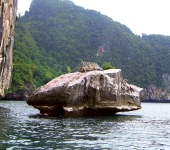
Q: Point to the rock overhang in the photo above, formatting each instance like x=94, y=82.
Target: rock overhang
x=95, y=92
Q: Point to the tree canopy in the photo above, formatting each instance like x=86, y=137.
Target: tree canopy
x=107, y=65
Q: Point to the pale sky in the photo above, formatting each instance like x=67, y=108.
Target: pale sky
x=141, y=16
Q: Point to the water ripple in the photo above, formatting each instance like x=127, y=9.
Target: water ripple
x=22, y=128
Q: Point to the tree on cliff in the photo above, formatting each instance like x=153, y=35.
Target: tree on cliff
x=68, y=69
x=107, y=65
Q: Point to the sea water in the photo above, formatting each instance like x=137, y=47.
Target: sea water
x=22, y=128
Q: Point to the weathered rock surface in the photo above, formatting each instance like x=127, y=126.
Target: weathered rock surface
x=89, y=93
x=157, y=94
x=8, y=11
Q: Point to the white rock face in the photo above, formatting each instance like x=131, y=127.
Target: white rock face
x=8, y=11
x=89, y=93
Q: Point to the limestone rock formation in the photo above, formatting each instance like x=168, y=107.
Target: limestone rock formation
x=21, y=94
x=89, y=93
x=8, y=11
x=158, y=94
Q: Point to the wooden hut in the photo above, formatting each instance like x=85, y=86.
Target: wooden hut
x=88, y=66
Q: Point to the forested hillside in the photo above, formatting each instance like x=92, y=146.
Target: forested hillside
x=57, y=34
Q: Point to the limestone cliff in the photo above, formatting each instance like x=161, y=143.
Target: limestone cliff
x=158, y=94
x=8, y=11
x=87, y=93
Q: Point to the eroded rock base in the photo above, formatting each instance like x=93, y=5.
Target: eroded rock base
x=53, y=111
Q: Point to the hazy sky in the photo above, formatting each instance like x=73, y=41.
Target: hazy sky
x=141, y=16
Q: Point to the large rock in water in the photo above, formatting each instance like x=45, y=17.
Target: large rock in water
x=8, y=11
x=88, y=93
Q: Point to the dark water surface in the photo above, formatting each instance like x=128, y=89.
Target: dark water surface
x=22, y=128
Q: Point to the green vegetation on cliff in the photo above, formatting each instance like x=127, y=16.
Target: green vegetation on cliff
x=107, y=65
x=56, y=34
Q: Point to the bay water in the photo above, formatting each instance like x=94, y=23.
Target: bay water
x=21, y=127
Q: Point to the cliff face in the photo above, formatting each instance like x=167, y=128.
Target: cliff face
x=21, y=94
x=89, y=93
x=154, y=93
x=8, y=11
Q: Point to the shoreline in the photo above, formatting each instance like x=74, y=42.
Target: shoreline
x=155, y=101
x=143, y=101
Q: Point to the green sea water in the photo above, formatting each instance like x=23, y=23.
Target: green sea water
x=21, y=127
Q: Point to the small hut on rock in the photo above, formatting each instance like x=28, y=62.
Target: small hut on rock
x=88, y=66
